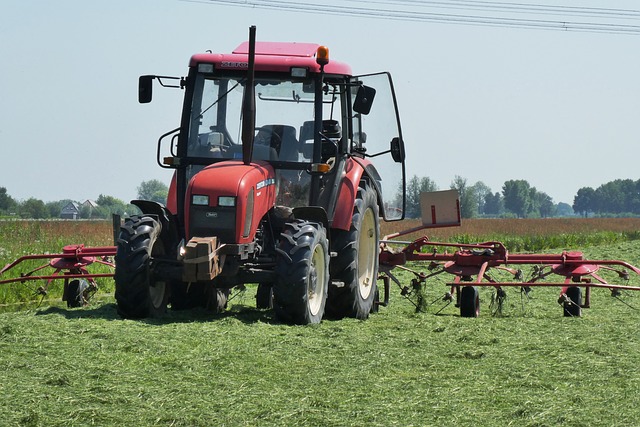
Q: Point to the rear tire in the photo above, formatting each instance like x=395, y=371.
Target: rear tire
x=469, y=302
x=138, y=293
x=357, y=262
x=302, y=267
x=574, y=307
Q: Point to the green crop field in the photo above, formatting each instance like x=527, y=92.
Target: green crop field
x=526, y=366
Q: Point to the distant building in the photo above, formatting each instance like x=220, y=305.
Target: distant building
x=70, y=211
x=90, y=204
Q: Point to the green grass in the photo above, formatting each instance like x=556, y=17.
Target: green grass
x=528, y=367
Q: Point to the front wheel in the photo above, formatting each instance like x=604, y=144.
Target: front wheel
x=302, y=267
x=139, y=293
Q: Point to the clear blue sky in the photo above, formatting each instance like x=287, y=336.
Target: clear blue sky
x=560, y=109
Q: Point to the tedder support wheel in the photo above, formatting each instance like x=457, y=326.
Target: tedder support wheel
x=573, y=307
x=469, y=302
x=264, y=296
x=138, y=293
x=186, y=296
x=76, y=293
x=356, y=263
x=302, y=268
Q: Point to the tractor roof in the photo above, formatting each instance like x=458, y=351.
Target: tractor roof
x=272, y=56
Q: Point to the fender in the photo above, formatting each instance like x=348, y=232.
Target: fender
x=355, y=170
x=172, y=196
x=169, y=232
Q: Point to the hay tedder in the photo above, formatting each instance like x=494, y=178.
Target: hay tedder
x=72, y=266
x=284, y=163
x=472, y=266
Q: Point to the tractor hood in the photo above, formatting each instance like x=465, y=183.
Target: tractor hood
x=228, y=199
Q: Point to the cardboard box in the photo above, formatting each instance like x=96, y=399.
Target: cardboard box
x=201, y=260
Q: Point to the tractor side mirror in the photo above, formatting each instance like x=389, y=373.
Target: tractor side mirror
x=364, y=99
x=145, y=89
x=397, y=150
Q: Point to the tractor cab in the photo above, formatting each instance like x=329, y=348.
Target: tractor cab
x=309, y=119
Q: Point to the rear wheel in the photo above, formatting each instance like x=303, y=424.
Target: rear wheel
x=356, y=265
x=138, y=293
x=302, y=267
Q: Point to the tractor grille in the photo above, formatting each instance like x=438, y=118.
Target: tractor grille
x=206, y=221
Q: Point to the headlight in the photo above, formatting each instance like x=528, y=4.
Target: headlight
x=228, y=201
x=200, y=200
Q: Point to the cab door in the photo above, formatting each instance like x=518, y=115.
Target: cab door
x=376, y=135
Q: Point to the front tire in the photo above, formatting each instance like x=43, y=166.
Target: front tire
x=302, y=267
x=138, y=293
x=356, y=265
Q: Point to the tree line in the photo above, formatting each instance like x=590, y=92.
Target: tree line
x=517, y=199
x=619, y=197
x=103, y=207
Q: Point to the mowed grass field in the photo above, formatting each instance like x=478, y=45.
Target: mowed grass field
x=528, y=366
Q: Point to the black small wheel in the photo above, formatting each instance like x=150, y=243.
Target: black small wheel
x=375, y=307
x=140, y=293
x=264, y=296
x=469, y=302
x=302, y=267
x=216, y=299
x=77, y=293
x=572, y=306
x=185, y=296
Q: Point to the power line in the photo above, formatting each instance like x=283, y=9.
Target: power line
x=493, y=13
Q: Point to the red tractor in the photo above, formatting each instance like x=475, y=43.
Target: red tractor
x=279, y=161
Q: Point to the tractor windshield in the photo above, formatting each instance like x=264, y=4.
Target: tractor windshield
x=284, y=119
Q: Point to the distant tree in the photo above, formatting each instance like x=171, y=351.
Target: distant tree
x=33, y=209
x=493, y=204
x=153, y=190
x=481, y=190
x=545, y=204
x=415, y=186
x=6, y=201
x=585, y=201
x=517, y=197
x=55, y=208
x=110, y=205
x=564, y=209
x=468, y=200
